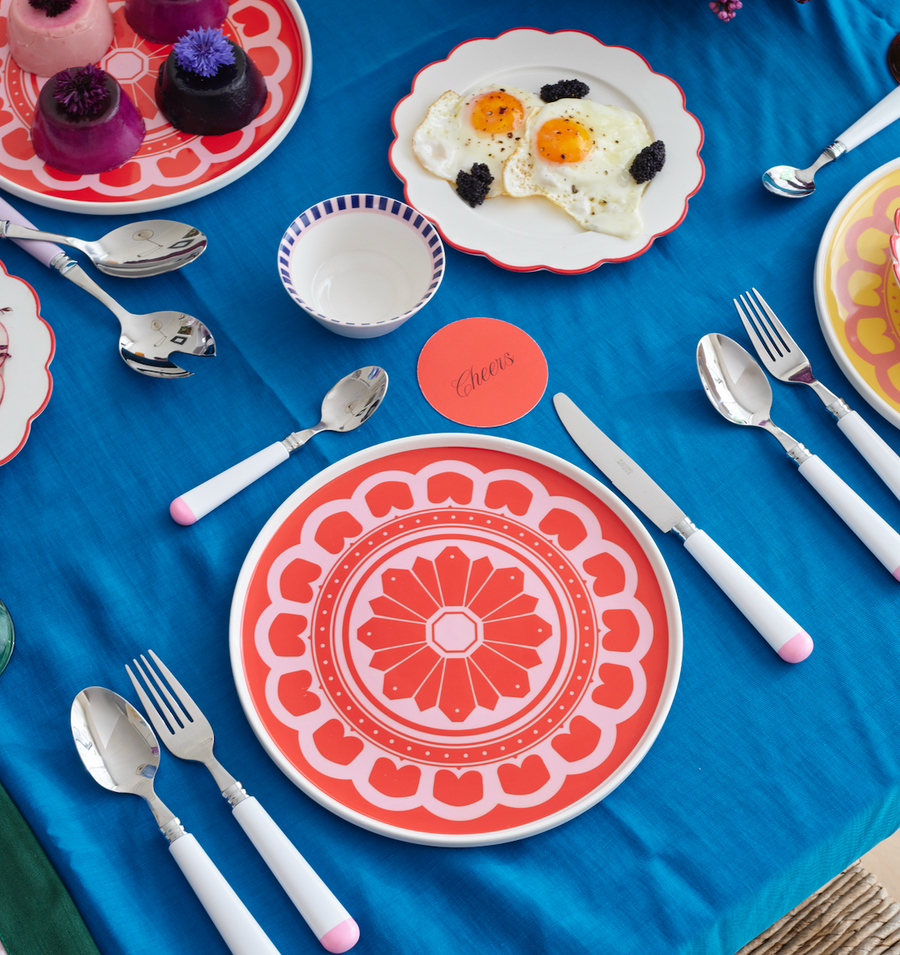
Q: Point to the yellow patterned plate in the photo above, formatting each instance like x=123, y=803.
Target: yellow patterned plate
x=857, y=294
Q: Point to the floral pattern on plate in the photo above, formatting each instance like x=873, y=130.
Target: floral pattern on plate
x=455, y=644
x=857, y=292
x=170, y=167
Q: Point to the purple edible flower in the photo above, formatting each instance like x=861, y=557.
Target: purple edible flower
x=203, y=51
x=82, y=92
x=52, y=8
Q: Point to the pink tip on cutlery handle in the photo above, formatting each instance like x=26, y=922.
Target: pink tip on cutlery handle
x=342, y=937
x=774, y=624
x=181, y=513
x=798, y=648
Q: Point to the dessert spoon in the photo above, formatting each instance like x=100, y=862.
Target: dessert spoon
x=145, y=341
x=350, y=403
x=796, y=183
x=132, y=251
x=740, y=391
x=121, y=753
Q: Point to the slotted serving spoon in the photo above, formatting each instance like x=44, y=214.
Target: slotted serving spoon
x=145, y=341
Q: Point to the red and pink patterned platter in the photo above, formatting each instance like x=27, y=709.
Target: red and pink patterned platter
x=170, y=167
x=455, y=639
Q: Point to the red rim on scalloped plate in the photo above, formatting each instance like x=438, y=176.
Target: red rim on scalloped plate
x=455, y=639
x=529, y=234
x=25, y=381
x=171, y=167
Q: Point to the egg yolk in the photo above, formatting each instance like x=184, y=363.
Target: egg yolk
x=563, y=141
x=497, y=112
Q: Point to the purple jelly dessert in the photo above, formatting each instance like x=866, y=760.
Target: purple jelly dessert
x=209, y=86
x=85, y=123
x=164, y=21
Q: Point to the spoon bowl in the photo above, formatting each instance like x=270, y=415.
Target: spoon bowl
x=136, y=250
x=349, y=403
x=789, y=181
x=733, y=381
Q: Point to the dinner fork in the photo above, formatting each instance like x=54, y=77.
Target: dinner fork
x=787, y=362
x=187, y=734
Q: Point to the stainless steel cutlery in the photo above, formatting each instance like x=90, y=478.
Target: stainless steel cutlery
x=786, y=361
x=145, y=341
x=789, y=640
x=187, y=734
x=119, y=750
x=738, y=389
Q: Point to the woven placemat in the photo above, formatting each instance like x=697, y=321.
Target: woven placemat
x=851, y=914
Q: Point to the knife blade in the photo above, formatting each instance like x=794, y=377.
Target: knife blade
x=780, y=630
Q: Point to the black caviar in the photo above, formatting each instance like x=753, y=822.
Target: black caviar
x=564, y=89
x=649, y=161
x=474, y=186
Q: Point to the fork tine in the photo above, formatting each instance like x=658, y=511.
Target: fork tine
x=760, y=343
x=789, y=344
x=184, y=698
x=776, y=343
x=173, y=712
x=159, y=724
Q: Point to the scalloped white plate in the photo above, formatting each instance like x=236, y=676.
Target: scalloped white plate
x=26, y=373
x=529, y=234
x=455, y=639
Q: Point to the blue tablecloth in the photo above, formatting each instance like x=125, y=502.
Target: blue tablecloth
x=765, y=781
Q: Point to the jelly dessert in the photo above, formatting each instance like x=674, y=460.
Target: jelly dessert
x=46, y=36
x=208, y=85
x=85, y=123
x=164, y=21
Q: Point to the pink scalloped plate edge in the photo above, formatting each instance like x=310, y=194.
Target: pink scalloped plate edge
x=31, y=340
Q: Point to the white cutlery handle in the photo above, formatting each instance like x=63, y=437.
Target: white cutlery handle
x=879, y=116
x=44, y=252
x=783, y=634
x=199, y=501
x=328, y=919
x=872, y=529
x=873, y=448
x=237, y=926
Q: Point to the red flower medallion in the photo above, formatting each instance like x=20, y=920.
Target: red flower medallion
x=455, y=644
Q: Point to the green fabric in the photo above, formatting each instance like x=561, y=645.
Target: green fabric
x=37, y=914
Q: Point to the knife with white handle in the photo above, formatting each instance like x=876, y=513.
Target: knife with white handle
x=783, y=634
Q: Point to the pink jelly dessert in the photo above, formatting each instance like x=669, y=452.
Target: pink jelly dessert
x=209, y=86
x=84, y=122
x=164, y=21
x=46, y=36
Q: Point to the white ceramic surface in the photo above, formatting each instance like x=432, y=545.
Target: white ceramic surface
x=529, y=234
x=361, y=265
x=25, y=373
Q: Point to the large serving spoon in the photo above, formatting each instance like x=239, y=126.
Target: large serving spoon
x=350, y=403
x=797, y=183
x=145, y=341
x=740, y=391
x=121, y=753
x=133, y=251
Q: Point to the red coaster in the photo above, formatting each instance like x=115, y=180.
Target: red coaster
x=482, y=372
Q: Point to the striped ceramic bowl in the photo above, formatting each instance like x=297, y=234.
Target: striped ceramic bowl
x=361, y=265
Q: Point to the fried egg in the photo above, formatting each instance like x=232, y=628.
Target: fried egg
x=483, y=127
x=578, y=154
